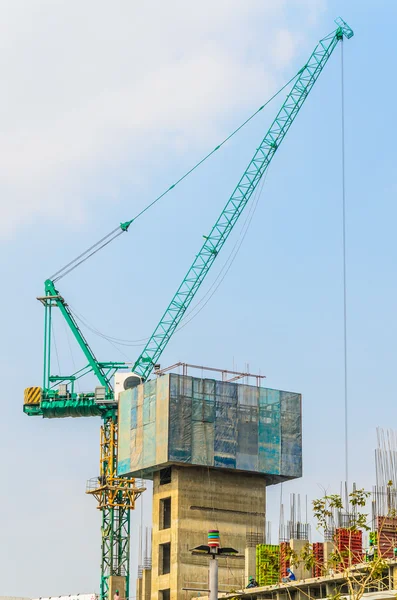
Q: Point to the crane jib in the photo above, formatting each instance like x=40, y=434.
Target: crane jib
x=238, y=200
x=209, y=251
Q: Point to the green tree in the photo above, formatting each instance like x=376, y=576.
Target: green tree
x=359, y=576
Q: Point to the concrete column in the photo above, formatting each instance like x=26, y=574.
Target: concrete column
x=146, y=584
x=213, y=577
x=250, y=564
x=139, y=589
x=116, y=582
x=328, y=550
x=193, y=502
x=299, y=571
x=330, y=589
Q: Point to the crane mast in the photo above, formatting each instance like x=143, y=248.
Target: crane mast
x=116, y=495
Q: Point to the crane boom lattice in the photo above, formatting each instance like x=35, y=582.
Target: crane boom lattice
x=244, y=190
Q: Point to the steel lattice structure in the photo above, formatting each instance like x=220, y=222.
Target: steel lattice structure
x=116, y=498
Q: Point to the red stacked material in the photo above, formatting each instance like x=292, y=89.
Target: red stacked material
x=318, y=554
x=387, y=536
x=284, y=559
x=349, y=545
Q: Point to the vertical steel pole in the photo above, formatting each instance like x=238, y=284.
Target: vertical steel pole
x=45, y=370
x=49, y=336
x=213, y=576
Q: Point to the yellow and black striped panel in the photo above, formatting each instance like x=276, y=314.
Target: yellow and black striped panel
x=32, y=395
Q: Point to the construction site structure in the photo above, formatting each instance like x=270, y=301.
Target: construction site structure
x=116, y=490
x=211, y=447
x=384, y=496
x=318, y=554
x=197, y=503
x=345, y=550
x=326, y=586
x=350, y=546
x=296, y=528
x=267, y=564
x=115, y=496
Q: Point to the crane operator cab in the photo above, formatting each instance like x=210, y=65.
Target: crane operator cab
x=125, y=381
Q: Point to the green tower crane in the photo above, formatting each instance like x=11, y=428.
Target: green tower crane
x=57, y=397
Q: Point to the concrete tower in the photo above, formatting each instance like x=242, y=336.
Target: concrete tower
x=211, y=448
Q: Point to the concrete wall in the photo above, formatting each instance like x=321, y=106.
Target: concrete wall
x=250, y=563
x=117, y=583
x=203, y=499
x=299, y=570
x=328, y=551
x=143, y=585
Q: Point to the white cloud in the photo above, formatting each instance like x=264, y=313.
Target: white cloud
x=85, y=80
x=284, y=46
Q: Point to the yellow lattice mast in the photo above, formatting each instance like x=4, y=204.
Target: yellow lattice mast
x=116, y=496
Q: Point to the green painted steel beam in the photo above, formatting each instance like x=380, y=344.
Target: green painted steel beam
x=63, y=407
x=244, y=190
x=54, y=296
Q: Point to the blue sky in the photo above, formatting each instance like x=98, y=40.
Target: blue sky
x=105, y=106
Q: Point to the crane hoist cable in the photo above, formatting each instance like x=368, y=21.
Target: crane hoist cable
x=241, y=195
x=67, y=335
x=141, y=341
x=346, y=432
x=123, y=227
x=189, y=316
x=55, y=346
x=185, y=322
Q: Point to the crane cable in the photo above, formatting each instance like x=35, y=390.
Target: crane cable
x=115, y=342
x=55, y=345
x=344, y=270
x=123, y=227
x=233, y=257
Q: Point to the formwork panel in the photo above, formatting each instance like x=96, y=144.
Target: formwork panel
x=178, y=419
x=267, y=564
x=386, y=536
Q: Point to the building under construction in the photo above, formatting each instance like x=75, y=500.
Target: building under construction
x=211, y=447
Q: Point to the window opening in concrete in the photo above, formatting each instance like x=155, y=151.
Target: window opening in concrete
x=164, y=558
x=165, y=594
x=165, y=476
x=165, y=513
x=318, y=591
